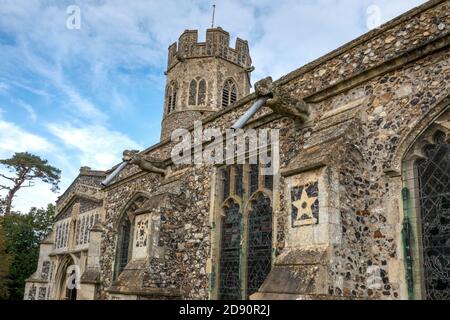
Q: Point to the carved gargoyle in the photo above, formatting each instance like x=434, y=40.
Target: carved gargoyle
x=282, y=101
x=145, y=162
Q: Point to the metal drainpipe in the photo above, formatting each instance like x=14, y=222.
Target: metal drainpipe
x=240, y=123
x=108, y=179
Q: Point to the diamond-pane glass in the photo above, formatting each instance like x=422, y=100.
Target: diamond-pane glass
x=229, y=282
x=259, y=243
x=124, y=245
x=434, y=183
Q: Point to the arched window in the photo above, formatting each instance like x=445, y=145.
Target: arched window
x=244, y=230
x=197, y=92
x=125, y=230
x=230, y=250
x=171, y=96
x=259, y=242
x=229, y=93
x=193, y=93
x=123, y=245
x=434, y=197
x=201, y=92
x=426, y=203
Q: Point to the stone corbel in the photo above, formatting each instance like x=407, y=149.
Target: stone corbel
x=282, y=101
x=144, y=162
x=181, y=57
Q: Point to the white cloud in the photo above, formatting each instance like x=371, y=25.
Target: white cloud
x=27, y=107
x=95, y=146
x=15, y=139
x=76, y=103
x=39, y=195
x=3, y=87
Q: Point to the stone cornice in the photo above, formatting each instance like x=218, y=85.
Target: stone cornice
x=427, y=48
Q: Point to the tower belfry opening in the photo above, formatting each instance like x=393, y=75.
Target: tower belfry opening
x=203, y=77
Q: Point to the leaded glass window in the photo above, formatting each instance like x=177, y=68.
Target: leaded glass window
x=434, y=197
x=259, y=242
x=244, y=229
x=201, y=92
x=193, y=93
x=229, y=280
x=197, y=92
x=123, y=246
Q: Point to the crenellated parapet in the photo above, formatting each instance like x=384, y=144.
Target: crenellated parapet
x=217, y=44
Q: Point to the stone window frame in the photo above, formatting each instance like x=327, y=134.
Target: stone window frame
x=198, y=86
x=228, y=87
x=245, y=205
x=411, y=204
x=119, y=239
x=171, y=96
x=129, y=211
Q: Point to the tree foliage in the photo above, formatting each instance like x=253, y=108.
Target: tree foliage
x=5, y=265
x=26, y=167
x=23, y=234
x=2, y=206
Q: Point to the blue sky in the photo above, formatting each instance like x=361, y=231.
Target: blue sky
x=80, y=97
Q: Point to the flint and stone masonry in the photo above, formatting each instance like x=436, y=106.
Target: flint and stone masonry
x=358, y=210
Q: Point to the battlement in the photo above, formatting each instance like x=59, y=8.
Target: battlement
x=217, y=44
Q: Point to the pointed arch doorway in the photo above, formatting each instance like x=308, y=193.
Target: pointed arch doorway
x=67, y=279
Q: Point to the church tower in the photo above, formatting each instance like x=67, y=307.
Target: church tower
x=203, y=77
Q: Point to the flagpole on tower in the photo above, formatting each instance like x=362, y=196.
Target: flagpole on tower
x=214, y=12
